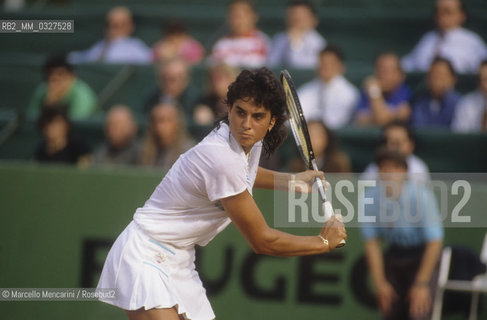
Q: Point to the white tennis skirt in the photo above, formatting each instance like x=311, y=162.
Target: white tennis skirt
x=149, y=274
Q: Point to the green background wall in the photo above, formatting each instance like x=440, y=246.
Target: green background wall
x=49, y=213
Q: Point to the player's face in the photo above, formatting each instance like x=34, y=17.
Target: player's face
x=249, y=123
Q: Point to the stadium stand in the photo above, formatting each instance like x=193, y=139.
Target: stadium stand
x=79, y=212
x=363, y=28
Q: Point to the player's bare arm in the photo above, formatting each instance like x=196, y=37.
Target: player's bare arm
x=273, y=180
x=263, y=239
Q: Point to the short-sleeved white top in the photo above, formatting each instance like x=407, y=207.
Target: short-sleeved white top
x=184, y=209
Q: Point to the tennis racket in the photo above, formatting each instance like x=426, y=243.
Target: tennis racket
x=303, y=141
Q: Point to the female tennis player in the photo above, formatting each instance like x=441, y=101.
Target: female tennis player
x=151, y=264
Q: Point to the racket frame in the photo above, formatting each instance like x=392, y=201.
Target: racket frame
x=288, y=86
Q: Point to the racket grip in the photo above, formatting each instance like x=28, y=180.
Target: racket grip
x=321, y=190
x=328, y=211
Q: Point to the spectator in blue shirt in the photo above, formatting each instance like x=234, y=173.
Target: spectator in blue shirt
x=118, y=46
x=437, y=106
x=405, y=215
x=300, y=45
x=385, y=96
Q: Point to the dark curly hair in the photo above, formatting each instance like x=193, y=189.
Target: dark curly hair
x=262, y=88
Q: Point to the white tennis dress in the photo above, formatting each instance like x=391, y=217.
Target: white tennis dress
x=151, y=264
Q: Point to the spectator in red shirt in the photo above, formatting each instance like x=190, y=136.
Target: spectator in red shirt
x=178, y=43
x=244, y=45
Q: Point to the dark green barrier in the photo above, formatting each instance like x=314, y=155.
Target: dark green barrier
x=442, y=150
x=58, y=223
x=18, y=82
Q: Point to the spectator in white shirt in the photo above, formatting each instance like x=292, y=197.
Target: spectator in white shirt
x=299, y=46
x=245, y=45
x=330, y=97
x=471, y=112
x=397, y=135
x=118, y=45
x=464, y=48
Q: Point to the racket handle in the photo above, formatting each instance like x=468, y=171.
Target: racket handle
x=319, y=182
x=328, y=211
x=321, y=189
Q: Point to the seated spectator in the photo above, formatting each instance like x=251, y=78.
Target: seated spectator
x=174, y=87
x=213, y=105
x=329, y=157
x=404, y=215
x=464, y=48
x=397, y=135
x=245, y=45
x=330, y=97
x=471, y=111
x=13, y=5
x=299, y=46
x=385, y=96
x=178, y=43
x=61, y=86
x=435, y=108
x=118, y=46
x=166, y=139
x=59, y=145
x=121, y=147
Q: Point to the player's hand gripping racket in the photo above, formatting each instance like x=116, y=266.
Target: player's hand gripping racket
x=301, y=136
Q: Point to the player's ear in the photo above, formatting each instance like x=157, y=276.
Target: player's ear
x=271, y=123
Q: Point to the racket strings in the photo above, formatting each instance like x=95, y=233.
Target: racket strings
x=296, y=126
